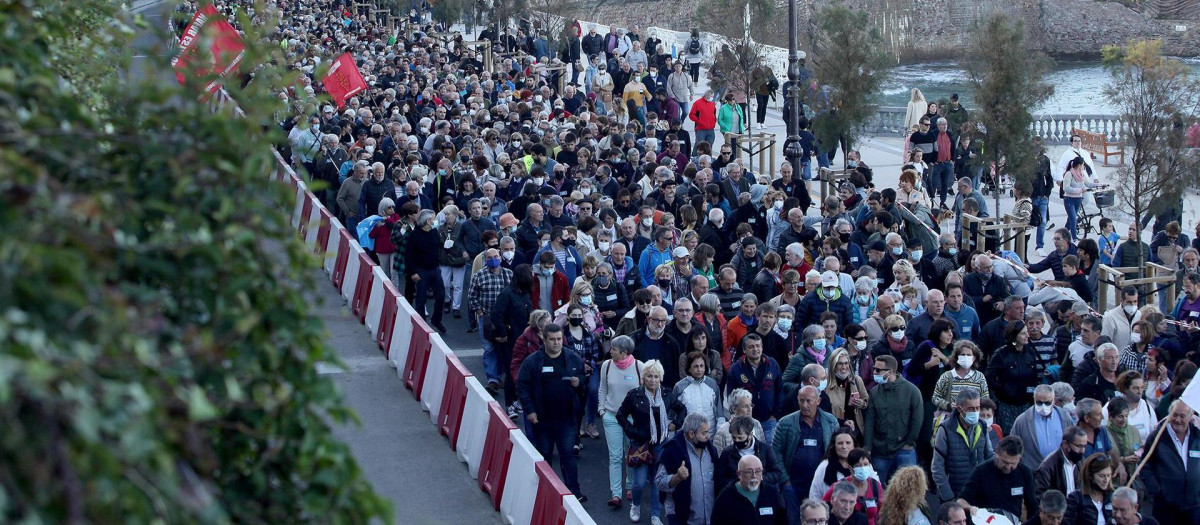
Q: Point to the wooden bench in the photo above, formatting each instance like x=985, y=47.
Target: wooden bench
x=1098, y=143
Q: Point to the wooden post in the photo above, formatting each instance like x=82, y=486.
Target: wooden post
x=830, y=179
x=756, y=146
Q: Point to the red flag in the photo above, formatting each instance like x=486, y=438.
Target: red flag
x=225, y=46
x=344, y=80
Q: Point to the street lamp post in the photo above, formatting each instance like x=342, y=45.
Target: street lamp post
x=791, y=146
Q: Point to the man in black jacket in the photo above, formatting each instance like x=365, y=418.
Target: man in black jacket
x=550, y=388
x=741, y=429
x=1172, y=471
x=751, y=499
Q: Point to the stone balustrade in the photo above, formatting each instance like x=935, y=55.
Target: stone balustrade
x=1054, y=129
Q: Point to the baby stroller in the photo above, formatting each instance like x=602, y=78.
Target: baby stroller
x=1090, y=214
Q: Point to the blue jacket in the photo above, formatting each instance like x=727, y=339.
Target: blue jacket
x=571, y=269
x=764, y=383
x=650, y=259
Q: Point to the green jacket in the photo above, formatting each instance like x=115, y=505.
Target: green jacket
x=893, y=418
x=787, y=437
x=725, y=118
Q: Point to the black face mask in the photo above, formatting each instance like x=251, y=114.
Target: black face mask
x=1073, y=456
x=575, y=321
x=744, y=445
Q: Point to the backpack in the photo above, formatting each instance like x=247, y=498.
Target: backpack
x=694, y=46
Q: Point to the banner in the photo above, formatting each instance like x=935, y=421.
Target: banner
x=225, y=46
x=343, y=80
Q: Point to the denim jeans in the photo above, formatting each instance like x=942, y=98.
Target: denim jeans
x=769, y=430
x=491, y=361
x=1041, y=206
x=943, y=179
x=705, y=135
x=560, y=435
x=1073, y=204
x=430, y=280
x=593, y=401
x=617, y=443
x=453, y=277
x=806, y=170
x=640, y=476
x=885, y=466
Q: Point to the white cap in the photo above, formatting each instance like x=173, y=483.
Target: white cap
x=829, y=279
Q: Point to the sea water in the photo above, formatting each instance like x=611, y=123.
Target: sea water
x=1078, y=86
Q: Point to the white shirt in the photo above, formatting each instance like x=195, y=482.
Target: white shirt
x=1069, y=475
x=1065, y=159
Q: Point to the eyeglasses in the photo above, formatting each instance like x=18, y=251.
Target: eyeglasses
x=878, y=370
x=817, y=521
x=643, y=303
x=1043, y=403
x=752, y=472
x=659, y=319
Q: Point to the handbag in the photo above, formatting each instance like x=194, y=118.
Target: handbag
x=639, y=455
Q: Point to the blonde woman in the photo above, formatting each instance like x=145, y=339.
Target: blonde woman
x=917, y=107
x=582, y=296
x=847, y=392
x=904, y=499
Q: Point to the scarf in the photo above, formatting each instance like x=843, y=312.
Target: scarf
x=897, y=347
x=624, y=363
x=657, y=435
x=819, y=357
x=944, y=149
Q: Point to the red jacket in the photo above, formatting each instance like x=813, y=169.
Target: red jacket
x=526, y=345
x=704, y=114
x=560, y=293
x=383, y=235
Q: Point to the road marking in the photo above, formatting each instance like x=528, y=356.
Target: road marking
x=352, y=365
x=474, y=352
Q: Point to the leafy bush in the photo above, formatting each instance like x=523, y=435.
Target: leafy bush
x=157, y=348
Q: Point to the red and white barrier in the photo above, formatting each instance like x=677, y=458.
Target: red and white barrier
x=576, y=515
x=521, y=484
x=375, y=302
x=473, y=433
x=436, y=371
x=350, y=280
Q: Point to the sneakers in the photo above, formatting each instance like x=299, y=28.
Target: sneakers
x=514, y=410
x=655, y=520
x=1041, y=252
x=635, y=513
x=581, y=498
x=592, y=431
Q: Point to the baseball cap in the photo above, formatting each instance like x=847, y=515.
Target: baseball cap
x=680, y=252
x=877, y=245
x=828, y=279
x=1079, y=308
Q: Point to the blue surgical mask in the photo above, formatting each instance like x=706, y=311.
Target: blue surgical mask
x=971, y=417
x=585, y=300
x=784, y=324
x=916, y=254
x=897, y=251
x=493, y=262
x=862, y=473
x=879, y=379
x=819, y=344
x=824, y=383
x=952, y=251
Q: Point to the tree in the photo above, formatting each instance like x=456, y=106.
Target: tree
x=743, y=28
x=850, y=65
x=157, y=351
x=1007, y=77
x=1155, y=96
x=450, y=12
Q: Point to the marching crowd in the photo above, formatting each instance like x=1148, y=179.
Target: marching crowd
x=746, y=354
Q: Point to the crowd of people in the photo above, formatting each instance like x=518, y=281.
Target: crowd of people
x=745, y=356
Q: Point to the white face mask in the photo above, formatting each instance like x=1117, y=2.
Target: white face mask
x=897, y=334
x=508, y=255
x=966, y=361
x=647, y=222
x=1129, y=309
x=1135, y=337
x=1043, y=410
x=604, y=246
x=860, y=345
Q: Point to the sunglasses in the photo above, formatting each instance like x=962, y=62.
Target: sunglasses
x=878, y=370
